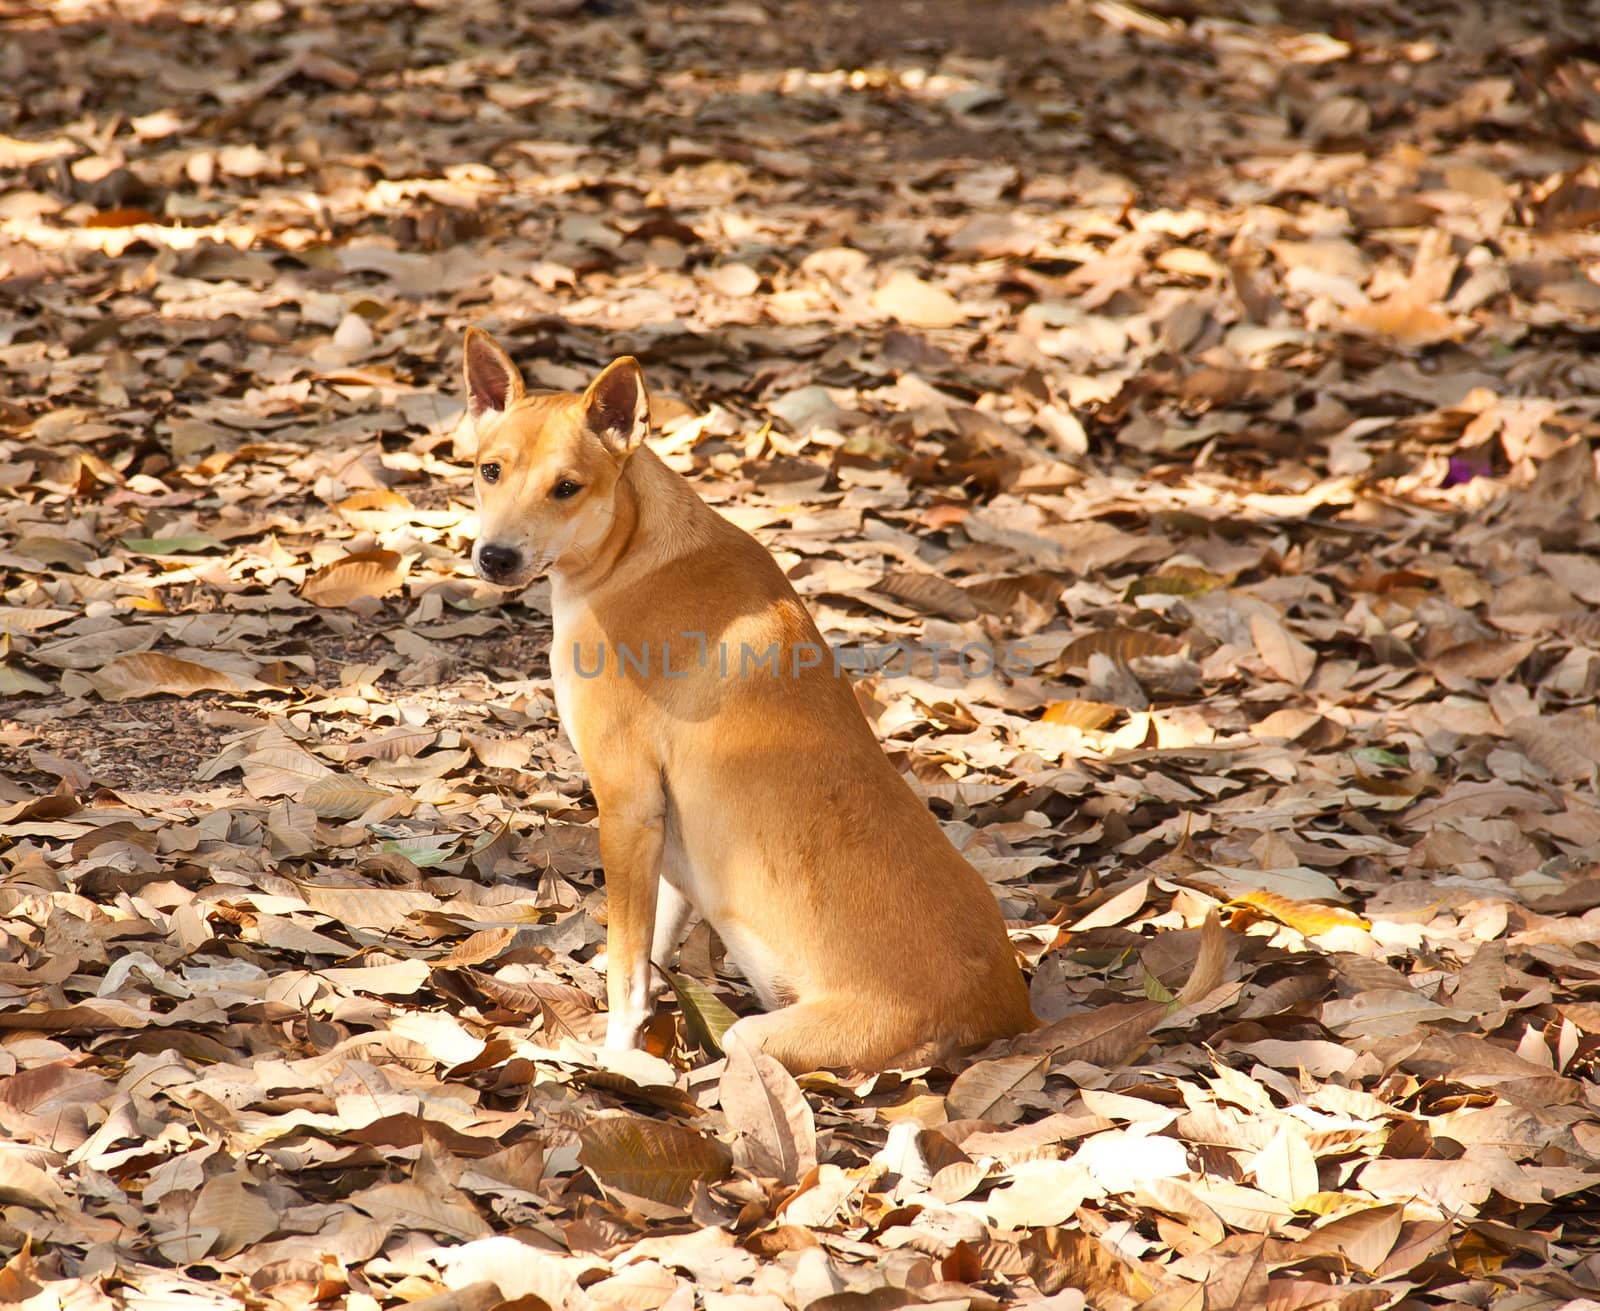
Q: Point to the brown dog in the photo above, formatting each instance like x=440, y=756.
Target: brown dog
x=735, y=773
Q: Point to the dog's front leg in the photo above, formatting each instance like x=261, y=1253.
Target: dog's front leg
x=631, y=836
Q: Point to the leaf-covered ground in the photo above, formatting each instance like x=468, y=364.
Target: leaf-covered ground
x=1227, y=367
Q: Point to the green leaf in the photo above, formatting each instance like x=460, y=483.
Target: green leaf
x=424, y=852
x=1175, y=581
x=184, y=544
x=1154, y=989
x=708, y=1019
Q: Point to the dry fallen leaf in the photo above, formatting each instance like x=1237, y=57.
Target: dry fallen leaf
x=361, y=575
x=649, y=1159
x=907, y=299
x=149, y=673
x=1281, y=651
x=763, y=1103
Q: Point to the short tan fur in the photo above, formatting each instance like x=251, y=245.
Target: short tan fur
x=745, y=787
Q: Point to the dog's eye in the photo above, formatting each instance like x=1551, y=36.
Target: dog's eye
x=490, y=473
x=565, y=489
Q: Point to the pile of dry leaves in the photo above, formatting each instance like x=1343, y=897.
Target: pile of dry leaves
x=1226, y=364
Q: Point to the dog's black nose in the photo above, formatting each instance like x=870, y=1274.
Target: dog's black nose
x=498, y=561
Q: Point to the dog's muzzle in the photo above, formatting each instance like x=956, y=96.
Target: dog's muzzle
x=494, y=563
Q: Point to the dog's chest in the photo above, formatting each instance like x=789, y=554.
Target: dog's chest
x=569, y=618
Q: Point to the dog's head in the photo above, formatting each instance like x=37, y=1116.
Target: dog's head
x=548, y=463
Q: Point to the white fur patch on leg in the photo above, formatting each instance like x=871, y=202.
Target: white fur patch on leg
x=626, y=1024
x=625, y=1029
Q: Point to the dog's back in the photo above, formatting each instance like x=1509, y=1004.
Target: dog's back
x=786, y=825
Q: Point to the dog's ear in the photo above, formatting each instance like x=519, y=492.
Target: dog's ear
x=493, y=382
x=616, y=407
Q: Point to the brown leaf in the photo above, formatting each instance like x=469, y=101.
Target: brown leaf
x=980, y=1092
x=282, y=771
x=480, y=947
x=929, y=593
x=907, y=299
x=335, y=797
x=774, y=1121
x=651, y=1159
x=148, y=673
x=31, y=619
x=435, y=1209
x=239, y=1215
x=500, y=752
x=1210, y=962
x=26, y=1185
x=1119, y=644
x=1070, y=1258
x=1282, y=652
x=1404, y=322
x=362, y=575
x=1107, y=1035
x=1487, y=658
x=1364, y=1238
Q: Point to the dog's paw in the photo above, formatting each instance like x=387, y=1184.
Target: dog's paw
x=625, y=1030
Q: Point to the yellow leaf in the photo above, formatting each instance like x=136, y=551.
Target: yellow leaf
x=1304, y=917
x=708, y=1019
x=1085, y=715
x=1175, y=580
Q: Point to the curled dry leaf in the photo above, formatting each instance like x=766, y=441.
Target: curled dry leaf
x=359, y=576
x=1210, y=962
x=1298, y=915
x=1118, y=644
